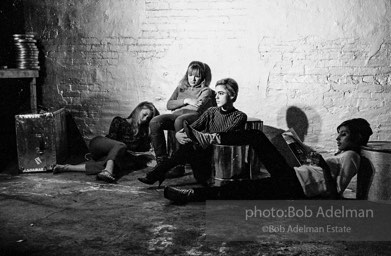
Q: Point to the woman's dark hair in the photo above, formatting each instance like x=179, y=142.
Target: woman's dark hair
x=202, y=69
x=141, y=130
x=359, y=129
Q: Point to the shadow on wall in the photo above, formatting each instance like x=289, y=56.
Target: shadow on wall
x=304, y=120
x=77, y=148
x=42, y=74
x=89, y=108
x=297, y=119
x=94, y=108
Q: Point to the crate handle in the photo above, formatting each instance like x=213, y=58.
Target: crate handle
x=41, y=142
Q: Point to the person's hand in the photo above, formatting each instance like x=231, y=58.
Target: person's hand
x=181, y=137
x=192, y=102
x=314, y=158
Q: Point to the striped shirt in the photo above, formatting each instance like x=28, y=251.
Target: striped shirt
x=215, y=120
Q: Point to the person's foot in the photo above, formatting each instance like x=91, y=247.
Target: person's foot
x=106, y=176
x=176, y=172
x=161, y=159
x=179, y=195
x=59, y=168
x=158, y=173
x=151, y=179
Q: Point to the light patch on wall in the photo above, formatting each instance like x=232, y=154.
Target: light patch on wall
x=375, y=46
x=110, y=18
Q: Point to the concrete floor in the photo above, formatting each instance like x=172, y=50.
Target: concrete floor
x=73, y=214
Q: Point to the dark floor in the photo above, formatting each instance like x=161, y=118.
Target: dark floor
x=73, y=214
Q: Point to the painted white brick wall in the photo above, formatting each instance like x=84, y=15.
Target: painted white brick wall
x=328, y=59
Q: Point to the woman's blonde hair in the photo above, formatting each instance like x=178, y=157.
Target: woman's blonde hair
x=142, y=129
x=202, y=70
x=231, y=86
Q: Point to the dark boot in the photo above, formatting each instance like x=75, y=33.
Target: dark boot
x=200, y=138
x=176, y=172
x=158, y=173
x=161, y=159
x=179, y=195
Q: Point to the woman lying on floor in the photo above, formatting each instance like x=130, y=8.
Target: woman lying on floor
x=328, y=180
x=118, y=150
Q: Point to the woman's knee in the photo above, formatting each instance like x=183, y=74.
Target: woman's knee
x=178, y=124
x=162, y=122
x=96, y=142
x=155, y=123
x=121, y=148
x=100, y=146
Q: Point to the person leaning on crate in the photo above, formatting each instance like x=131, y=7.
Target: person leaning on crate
x=119, y=149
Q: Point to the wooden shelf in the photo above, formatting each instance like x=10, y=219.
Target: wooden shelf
x=24, y=73
x=18, y=73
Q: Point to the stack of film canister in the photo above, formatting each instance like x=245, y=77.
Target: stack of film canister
x=26, y=51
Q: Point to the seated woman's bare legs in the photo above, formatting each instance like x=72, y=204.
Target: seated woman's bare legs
x=112, y=151
x=59, y=168
x=106, y=155
x=109, y=166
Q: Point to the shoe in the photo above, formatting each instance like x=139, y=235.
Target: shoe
x=150, y=180
x=106, y=176
x=179, y=195
x=159, y=172
x=58, y=168
x=176, y=172
x=161, y=159
x=189, y=132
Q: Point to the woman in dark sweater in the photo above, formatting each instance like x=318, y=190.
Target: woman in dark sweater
x=118, y=150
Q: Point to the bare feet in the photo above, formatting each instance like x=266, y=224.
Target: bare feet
x=59, y=168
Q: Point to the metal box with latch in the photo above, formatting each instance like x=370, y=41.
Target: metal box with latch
x=41, y=140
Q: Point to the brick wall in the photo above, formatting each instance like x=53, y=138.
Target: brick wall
x=311, y=63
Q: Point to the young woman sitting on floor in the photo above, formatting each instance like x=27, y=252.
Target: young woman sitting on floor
x=117, y=150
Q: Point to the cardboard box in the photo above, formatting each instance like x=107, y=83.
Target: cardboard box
x=41, y=140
